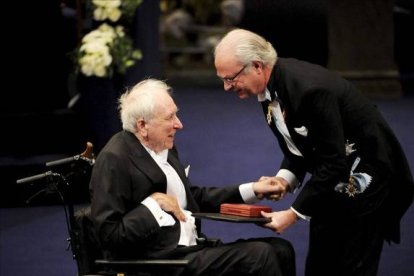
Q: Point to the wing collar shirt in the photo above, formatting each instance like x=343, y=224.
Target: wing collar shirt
x=279, y=120
x=175, y=187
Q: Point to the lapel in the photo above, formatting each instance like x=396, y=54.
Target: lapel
x=277, y=84
x=145, y=163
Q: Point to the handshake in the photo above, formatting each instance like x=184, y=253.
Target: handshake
x=271, y=187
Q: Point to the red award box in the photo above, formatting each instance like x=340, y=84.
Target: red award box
x=244, y=210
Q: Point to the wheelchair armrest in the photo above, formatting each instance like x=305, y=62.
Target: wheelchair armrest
x=129, y=263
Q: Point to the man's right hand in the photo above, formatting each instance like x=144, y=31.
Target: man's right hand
x=169, y=204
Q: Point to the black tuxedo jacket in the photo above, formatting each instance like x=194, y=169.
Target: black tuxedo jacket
x=323, y=112
x=123, y=176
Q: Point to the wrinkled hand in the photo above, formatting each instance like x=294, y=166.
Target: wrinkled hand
x=271, y=187
x=280, y=220
x=169, y=204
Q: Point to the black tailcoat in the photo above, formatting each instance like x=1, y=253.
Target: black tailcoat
x=123, y=176
x=334, y=113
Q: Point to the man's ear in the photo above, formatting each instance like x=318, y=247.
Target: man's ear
x=141, y=126
x=257, y=65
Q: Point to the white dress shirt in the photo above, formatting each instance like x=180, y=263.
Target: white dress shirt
x=279, y=120
x=175, y=187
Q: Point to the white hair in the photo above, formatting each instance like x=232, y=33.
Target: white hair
x=140, y=102
x=248, y=46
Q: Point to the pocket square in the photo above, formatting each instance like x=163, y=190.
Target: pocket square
x=301, y=130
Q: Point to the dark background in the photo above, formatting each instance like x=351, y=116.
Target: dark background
x=225, y=140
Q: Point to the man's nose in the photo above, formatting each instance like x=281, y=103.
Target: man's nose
x=227, y=86
x=177, y=123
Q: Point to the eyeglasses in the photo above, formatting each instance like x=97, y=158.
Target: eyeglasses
x=230, y=80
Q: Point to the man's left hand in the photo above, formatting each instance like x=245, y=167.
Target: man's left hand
x=280, y=221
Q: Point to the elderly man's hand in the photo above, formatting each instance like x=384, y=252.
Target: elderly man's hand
x=271, y=187
x=169, y=204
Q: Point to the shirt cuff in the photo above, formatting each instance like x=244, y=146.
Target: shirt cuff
x=290, y=178
x=163, y=218
x=300, y=215
x=247, y=193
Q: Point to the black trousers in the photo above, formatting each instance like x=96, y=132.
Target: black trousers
x=261, y=256
x=345, y=247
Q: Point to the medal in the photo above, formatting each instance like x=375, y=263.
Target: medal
x=269, y=114
x=350, y=189
x=349, y=148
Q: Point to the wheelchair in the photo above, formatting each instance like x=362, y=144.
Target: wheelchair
x=82, y=238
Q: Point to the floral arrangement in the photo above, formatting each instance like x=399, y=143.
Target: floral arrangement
x=107, y=48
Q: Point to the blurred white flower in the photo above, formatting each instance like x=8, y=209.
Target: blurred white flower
x=95, y=52
x=108, y=49
x=107, y=9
